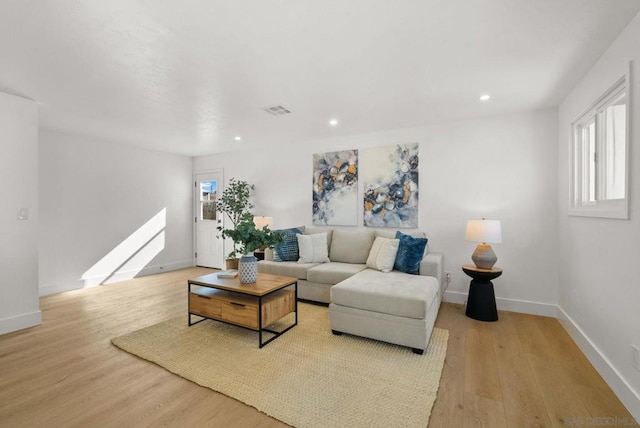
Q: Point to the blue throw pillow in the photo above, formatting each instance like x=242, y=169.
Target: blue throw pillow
x=410, y=252
x=288, y=251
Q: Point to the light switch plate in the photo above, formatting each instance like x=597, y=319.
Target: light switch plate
x=23, y=213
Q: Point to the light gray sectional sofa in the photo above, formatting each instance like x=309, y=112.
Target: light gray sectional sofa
x=394, y=307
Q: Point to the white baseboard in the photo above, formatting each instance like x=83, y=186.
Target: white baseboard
x=48, y=289
x=149, y=270
x=455, y=297
x=522, y=306
x=19, y=322
x=629, y=397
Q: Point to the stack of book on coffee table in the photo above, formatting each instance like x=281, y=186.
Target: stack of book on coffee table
x=231, y=273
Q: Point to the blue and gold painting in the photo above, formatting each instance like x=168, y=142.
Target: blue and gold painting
x=390, y=178
x=335, y=188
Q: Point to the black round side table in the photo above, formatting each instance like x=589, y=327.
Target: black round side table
x=481, y=303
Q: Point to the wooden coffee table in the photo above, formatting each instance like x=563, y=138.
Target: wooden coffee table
x=253, y=306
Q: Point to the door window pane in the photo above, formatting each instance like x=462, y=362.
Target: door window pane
x=208, y=194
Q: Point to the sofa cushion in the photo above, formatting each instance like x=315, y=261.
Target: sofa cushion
x=383, y=252
x=287, y=251
x=290, y=269
x=313, y=248
x=333, y=273
x=410, y=253
x=351, y=246
x=393, y=293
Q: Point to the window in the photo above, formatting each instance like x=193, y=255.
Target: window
x=600, y=157
x=208, y=194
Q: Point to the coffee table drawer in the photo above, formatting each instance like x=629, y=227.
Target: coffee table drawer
x=240, y=313
x=205, y=303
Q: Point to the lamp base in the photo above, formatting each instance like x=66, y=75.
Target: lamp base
x=484, y=257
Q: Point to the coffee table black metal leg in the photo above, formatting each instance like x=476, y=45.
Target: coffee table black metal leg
x=260, y=321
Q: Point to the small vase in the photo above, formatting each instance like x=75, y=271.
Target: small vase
x=248, y=269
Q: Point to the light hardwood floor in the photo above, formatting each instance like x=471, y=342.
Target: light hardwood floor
x=522, y=371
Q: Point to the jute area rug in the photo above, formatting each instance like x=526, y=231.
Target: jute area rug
x=305, y=378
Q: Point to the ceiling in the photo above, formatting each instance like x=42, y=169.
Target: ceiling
x=187, y=77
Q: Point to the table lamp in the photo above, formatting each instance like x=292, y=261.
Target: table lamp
x=484, y=232
x=261, y=222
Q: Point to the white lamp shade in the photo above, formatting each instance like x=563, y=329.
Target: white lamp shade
x=484, y=231
x=261, y=222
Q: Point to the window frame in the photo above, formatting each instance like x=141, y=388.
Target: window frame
x=580, y=203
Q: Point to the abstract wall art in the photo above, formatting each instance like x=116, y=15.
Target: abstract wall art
x=390, y=178
x=335, y=188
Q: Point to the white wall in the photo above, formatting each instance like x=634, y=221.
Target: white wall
x=501, y=168
x=599, y=282
x=94, y=196
x=19, y=305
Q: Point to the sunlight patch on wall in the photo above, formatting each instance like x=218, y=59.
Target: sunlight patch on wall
x=127, y=259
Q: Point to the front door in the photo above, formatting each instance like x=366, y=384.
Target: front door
x=209, y=248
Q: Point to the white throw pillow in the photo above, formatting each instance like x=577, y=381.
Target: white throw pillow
x=313, y=248
x=383, y=254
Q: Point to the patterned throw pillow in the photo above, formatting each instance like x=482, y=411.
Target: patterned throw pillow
x=288, y=250
x=410, y=253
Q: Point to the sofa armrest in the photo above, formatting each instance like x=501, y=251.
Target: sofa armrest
x=433, y=265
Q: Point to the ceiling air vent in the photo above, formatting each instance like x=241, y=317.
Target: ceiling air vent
x=277, y=110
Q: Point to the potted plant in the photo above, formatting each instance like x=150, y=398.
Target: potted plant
x=234, y=202
x=247, y=238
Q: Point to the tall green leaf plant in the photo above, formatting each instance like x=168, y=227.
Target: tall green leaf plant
x=235, y=203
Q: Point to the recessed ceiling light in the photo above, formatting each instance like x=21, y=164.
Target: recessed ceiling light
x=238, y=138
x=333, y=122
x=485, y=97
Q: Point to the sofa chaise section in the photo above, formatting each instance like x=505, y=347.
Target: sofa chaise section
x=392, y=307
